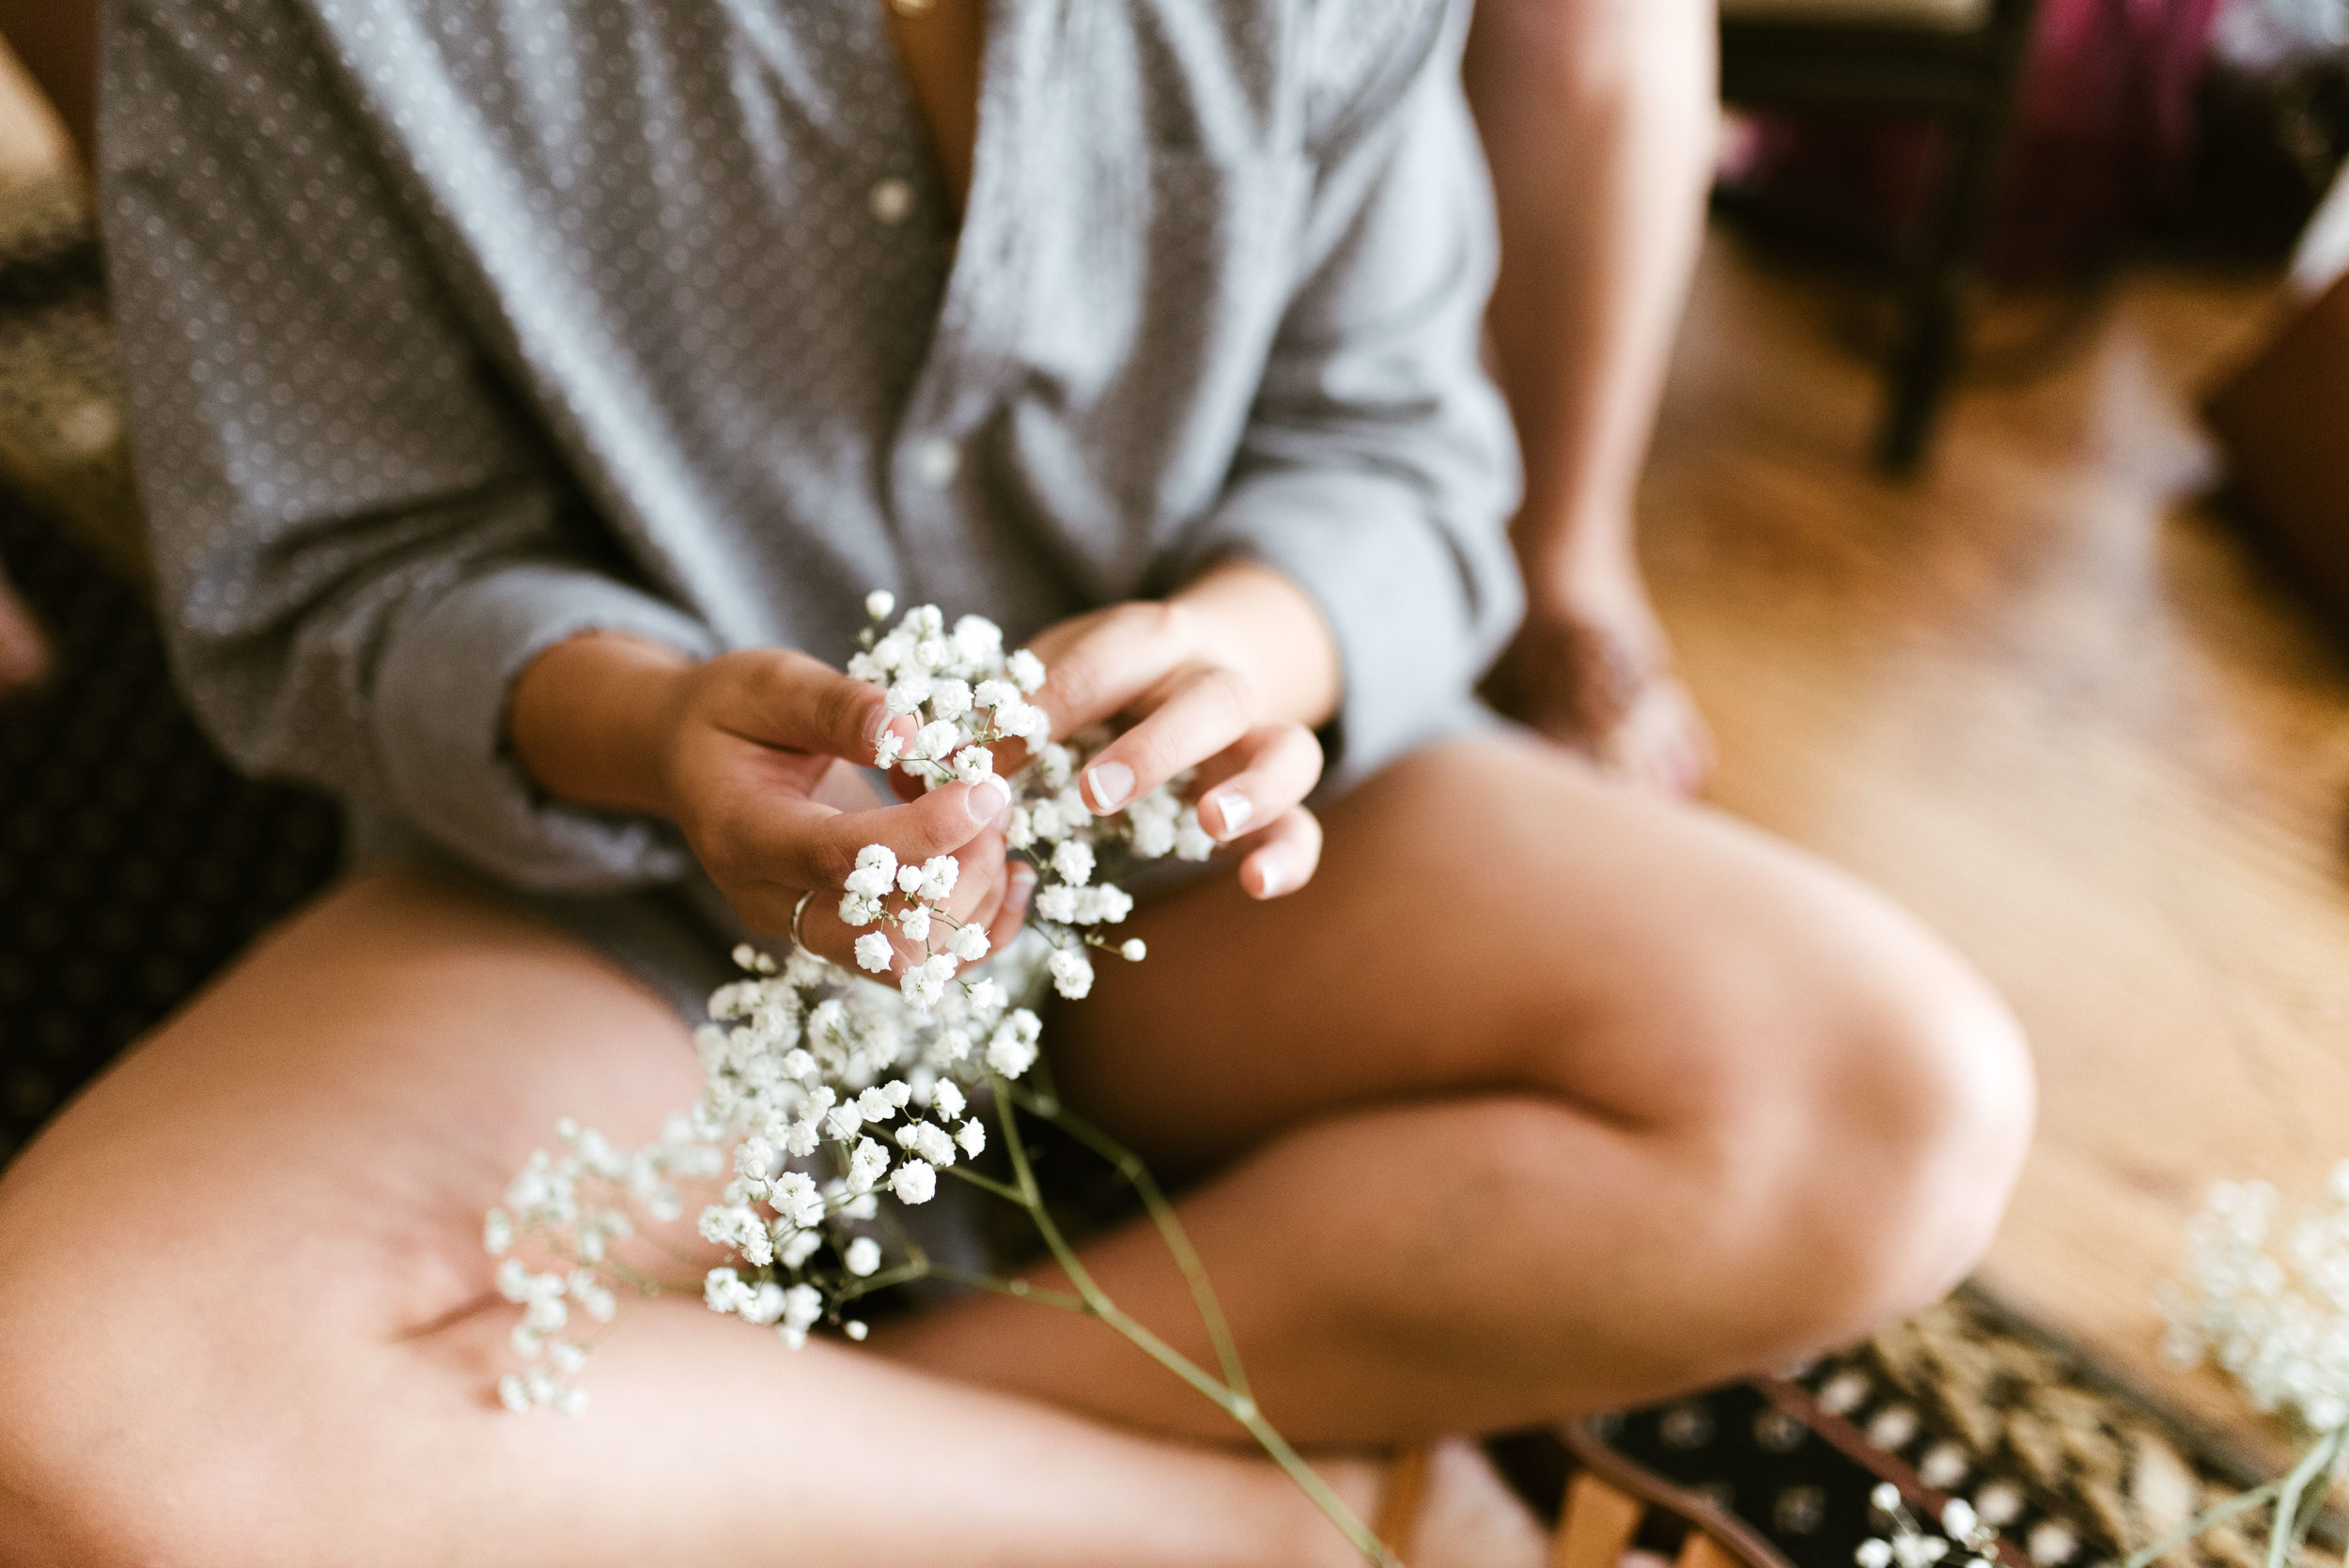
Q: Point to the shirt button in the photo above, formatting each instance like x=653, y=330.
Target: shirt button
x=891, y=201
x=935, y=462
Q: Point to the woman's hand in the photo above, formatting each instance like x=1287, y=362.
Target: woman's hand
x=1228, y=678
x=735, y=753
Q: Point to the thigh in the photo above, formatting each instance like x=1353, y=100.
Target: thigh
x=245, y=1315
x=1490, y=915
x=354, y=1092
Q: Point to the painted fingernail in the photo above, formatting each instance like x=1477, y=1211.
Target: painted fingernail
x=1269, y=882
x=1233, y=809
x=1111, y=783
x=989, y=799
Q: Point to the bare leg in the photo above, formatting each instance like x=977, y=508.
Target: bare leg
x=244, y=1316
x=1542, y=1098
x=1545, y=1096
x=1598, y=119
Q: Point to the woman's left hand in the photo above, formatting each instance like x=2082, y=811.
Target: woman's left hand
x=1227, y=677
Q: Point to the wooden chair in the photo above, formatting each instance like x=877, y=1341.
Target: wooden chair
x=1955, y=62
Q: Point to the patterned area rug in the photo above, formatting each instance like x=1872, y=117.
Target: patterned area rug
x=134, y=863
x=1959, y=1402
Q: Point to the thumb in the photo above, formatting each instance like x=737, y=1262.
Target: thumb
x=805, y=705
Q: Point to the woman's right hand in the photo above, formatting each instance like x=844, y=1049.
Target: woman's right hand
x=735, y=752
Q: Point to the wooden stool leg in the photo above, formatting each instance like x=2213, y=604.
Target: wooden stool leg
x=1596, y=1525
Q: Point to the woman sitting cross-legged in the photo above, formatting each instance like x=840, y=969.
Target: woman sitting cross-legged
x=526, y=399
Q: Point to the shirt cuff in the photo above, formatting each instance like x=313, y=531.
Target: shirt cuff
x=1415, y=621
x=441, y=685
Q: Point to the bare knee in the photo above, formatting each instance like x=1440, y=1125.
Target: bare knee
x=1876, y=1164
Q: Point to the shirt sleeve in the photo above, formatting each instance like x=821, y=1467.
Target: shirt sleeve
x=1379, y=468
x=359, y=540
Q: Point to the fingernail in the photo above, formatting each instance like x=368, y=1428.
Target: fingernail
x=988, y=800
x=1268, y=883
x=874, y=723
x=1111, y=783
x=1233, y=809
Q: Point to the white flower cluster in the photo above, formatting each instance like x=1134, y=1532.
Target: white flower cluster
x=1909, y=1545
x=961, y=691
x=966, y=696
x=2270, y=1305
x=573, y=1208
x=805, y=1061
x=920, y=919
x=824, y=1092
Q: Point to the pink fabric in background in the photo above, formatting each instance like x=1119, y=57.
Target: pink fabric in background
x=2104, y=134
x=2105, y=129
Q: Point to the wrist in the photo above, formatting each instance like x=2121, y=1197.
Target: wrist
x=1260, y=623
x=593, y=720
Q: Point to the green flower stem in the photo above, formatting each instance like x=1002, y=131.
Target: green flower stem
x=1238, y=1406
x=2312, y=1502
x=1009, y=1194
x=904, y=1274
x=2283, y=1534
x=1131, y=1169
x=1018, y=1289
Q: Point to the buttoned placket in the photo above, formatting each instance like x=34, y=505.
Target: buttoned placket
x=962, y=376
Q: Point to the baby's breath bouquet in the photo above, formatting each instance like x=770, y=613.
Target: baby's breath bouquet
x=831, y=1100
x=2268, y=1304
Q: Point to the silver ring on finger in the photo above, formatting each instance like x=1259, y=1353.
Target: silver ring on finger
x=797, y=911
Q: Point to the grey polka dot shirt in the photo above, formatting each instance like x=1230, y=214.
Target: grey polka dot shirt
x=455, y=327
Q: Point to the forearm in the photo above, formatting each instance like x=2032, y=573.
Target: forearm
x=1271, y=631
x=589, y=719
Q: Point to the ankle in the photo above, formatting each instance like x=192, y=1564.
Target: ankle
x=1584, y=582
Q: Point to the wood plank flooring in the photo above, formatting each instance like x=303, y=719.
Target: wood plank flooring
x=2045, y=698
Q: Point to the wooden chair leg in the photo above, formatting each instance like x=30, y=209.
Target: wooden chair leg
x=1924, y=365
x=1939, y=298
x=1943, y=274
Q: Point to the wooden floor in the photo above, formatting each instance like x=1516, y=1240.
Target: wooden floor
x=2043, y=697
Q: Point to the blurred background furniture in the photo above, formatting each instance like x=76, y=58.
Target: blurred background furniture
x=1954, y=62
x=58, y=43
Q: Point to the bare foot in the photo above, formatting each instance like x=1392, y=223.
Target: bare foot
x=1591, y=669
x=24, y=652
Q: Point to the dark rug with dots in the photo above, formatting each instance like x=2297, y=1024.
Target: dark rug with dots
x=133, y=863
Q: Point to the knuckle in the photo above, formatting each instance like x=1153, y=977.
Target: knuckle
x=1229, y=694
x=1300, y=747
x=1170, y=622
x=1306, y=828
x=831, y=857
x=1076, y=684
x=840, y=711
x=939, y=824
